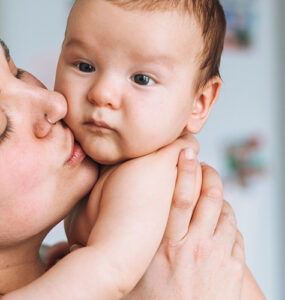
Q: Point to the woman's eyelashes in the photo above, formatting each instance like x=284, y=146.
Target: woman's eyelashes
x=7, y=131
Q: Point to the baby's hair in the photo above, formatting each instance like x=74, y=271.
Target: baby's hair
x=209, y=14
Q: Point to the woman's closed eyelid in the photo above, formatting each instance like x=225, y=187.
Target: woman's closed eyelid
x=5, y=125
x=2, y=117
x=2, y=122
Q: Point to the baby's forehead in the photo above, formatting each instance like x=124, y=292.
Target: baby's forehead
x=187, y=22
x=149, y=7
x=180, y=44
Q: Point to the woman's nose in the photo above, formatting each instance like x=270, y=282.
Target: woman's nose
x=55, y=106
x=105, y=92
x=52, y=108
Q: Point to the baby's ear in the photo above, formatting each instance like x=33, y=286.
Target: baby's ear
x=203, y=103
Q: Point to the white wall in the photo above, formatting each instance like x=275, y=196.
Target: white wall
x=250, y=102
x=34, y=31
x=281, y=23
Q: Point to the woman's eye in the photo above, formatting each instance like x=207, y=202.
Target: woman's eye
x=6, y=128
x=84, y=67
x=142, y=79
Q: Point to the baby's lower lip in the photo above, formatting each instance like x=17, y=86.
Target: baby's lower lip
x=77, y=156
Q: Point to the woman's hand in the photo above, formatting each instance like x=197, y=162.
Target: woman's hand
x=55, y=253
x=201, y=260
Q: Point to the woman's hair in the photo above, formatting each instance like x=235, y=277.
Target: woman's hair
x=6, y=49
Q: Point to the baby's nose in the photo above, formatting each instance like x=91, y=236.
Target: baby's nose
x=105, y=92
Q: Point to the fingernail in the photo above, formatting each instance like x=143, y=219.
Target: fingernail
x=189, y=154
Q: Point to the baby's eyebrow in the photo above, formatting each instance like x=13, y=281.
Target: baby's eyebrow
x=6, y=50
x=157, y=58
x=163, y=60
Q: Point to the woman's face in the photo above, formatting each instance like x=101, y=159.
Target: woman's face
x=42, y=174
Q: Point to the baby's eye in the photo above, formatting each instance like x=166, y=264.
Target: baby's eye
x=142, y=79
x=85, y=67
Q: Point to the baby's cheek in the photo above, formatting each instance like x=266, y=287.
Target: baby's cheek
x=72, y=119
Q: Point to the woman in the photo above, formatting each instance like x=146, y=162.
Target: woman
x=38, y=170
x=43, y=174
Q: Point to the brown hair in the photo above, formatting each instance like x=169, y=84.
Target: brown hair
x=5, y=49
x=208, y=13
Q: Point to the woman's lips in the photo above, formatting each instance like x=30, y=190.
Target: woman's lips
x=77, y=155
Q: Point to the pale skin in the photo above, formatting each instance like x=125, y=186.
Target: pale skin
x=28, y=101
x=86, y=256
x=116, y=118
x=109, y=110
x=39, y=184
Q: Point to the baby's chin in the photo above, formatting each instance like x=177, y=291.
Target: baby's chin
x=107, y=161
x=104, y=158
x=106, y=151
x=111, y=155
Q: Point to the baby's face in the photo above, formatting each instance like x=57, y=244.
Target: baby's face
x=128, y=78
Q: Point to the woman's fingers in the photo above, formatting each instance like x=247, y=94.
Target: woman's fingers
x=238, y=250
x=55, y=253
x=226, y=229
x=240, y=240
x=228, y=235
x=208, y=209
x=186, y=193
x=227, y=221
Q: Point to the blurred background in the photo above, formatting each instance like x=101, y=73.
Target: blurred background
x=244, y=138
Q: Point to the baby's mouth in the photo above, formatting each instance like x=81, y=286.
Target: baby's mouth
x=97, y=124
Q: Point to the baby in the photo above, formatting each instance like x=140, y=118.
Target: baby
x=137, y=75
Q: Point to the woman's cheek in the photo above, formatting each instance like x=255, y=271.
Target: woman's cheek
x=24, y=191
x=25, y=169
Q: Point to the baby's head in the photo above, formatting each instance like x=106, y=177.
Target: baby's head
x=137, y=73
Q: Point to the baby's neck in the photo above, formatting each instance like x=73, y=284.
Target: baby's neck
x=19, y=265
x=103, y=169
